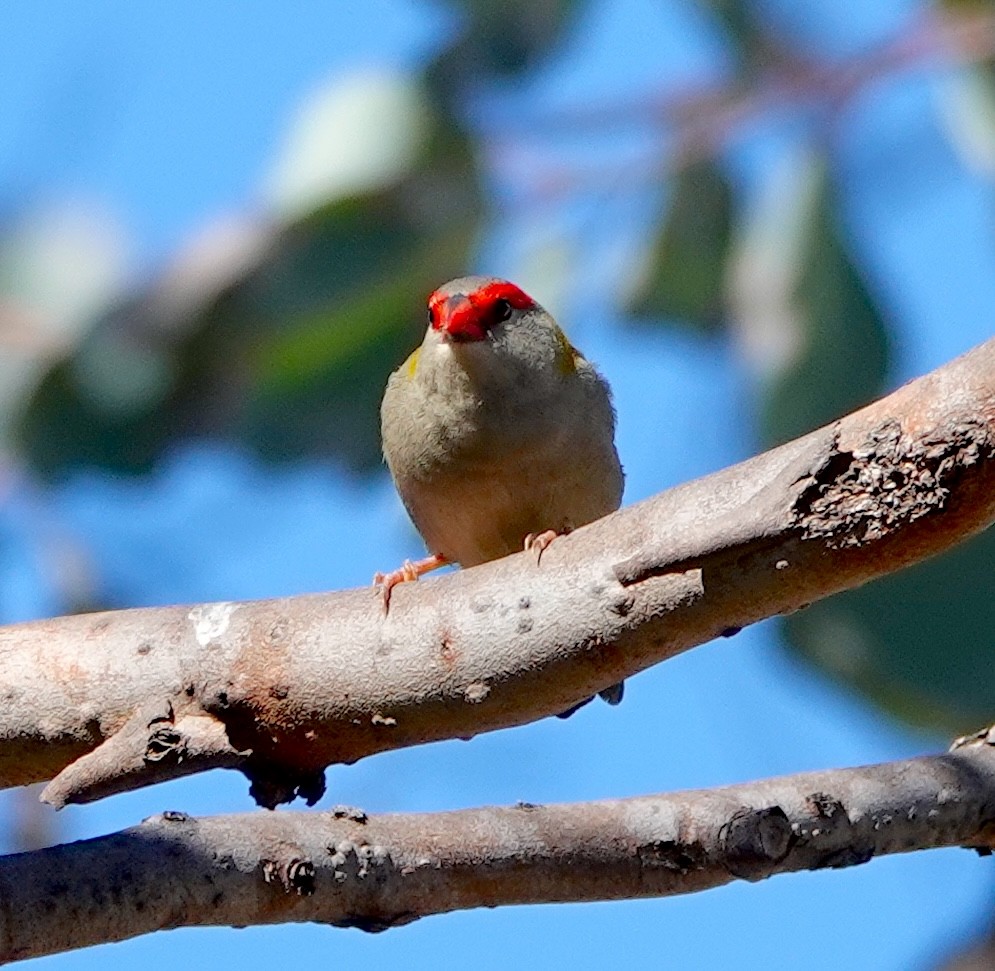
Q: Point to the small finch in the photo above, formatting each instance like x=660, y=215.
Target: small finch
x=498, y=433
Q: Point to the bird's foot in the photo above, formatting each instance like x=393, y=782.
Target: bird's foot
x=406, y=573
x=540, y=541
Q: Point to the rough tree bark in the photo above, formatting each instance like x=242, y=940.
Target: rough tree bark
x=280, y=689
x=283, y=688
x=350, y=870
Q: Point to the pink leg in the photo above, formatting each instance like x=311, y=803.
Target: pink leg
x=540, y=541
x=407, y=573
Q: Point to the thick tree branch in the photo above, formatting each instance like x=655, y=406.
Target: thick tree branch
x=346, y=869
x=283, y=688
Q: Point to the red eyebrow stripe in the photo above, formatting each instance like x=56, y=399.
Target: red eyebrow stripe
x=489, y=294
x=470, y=315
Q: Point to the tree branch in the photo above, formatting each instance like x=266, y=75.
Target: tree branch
x=282, y=688
x=349, y=870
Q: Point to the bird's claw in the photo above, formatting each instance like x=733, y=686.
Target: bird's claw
x=407, y=572
x=387, y=581
x=539, y=542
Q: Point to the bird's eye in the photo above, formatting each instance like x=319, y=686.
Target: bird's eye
x=502, y=309
x=431, y=317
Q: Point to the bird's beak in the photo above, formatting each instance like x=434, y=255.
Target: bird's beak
x=459, y=320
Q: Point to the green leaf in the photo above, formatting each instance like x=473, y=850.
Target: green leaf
x=967, y=6
x=65, y=427
x=966, y=95
x=316, y=382
x=753, y=41
x=59, y=265
x=801, y=309
x=281, y=336
x=918, y=643
x=915, y=643
x=504, y=38
x=686, y=264
x=353, y=135
x=846, y=354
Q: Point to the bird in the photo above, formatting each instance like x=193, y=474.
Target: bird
x=498, y=433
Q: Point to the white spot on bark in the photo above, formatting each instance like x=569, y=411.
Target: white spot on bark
x=476, y=692
x=210, y=621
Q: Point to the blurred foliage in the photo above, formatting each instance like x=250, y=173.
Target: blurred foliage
x=753, y=42
x=279, y=332
x=780, y=278
x=284, y=347
x=686, y=263
x=841, y=355
x=503, y=39
x=287, y=351
x=917, y=642
x=967, y=102
x=58, y=267
x=969, y=6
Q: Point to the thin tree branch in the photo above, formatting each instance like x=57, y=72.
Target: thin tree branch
x=349, y=870
x=702, y=120
x=282, y=688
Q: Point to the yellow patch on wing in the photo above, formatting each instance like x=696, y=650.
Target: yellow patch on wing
x=411, y=364
x=569, y=357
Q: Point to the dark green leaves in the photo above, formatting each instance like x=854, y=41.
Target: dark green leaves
x=505, y=38
x=687, y=261
x=284, y=341
x=919, y=642
x=826, y=341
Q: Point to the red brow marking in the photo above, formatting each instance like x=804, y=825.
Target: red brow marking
x=468, y=317
x=490, y=293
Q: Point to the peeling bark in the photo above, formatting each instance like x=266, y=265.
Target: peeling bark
x=282, y=688
x=347, y=869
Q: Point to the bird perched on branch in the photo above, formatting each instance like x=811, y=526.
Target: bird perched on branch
x=499, y=434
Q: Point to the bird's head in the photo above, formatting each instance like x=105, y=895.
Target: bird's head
x=496, y=331
x=476, y=308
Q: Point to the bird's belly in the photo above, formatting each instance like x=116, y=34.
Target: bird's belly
x=484, y=510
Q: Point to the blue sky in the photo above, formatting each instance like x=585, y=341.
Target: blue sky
x=167, y=116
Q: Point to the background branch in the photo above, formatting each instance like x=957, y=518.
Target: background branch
x=350, y=870
x=702, y=121
x=283, y=688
